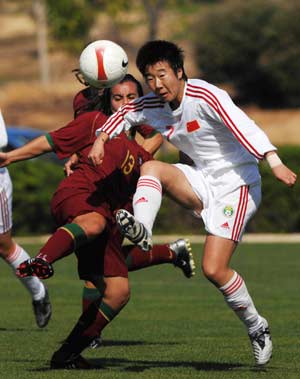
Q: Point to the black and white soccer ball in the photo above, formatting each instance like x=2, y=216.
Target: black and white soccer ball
x=103, y=63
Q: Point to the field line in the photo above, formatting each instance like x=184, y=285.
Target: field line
x=248, y=238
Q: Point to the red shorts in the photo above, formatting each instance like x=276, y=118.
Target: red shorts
x=103, y=256
x=66, y=204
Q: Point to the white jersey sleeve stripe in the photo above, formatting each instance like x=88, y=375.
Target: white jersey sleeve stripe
x=203, y=93
x=115, y=124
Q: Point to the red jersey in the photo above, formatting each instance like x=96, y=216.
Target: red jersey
x=111, y=183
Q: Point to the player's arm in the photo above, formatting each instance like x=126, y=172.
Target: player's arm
x=152, y=139
x=280, y=170
x=253, y=138
x=34, y=148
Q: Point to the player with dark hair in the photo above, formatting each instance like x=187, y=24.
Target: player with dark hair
x=223, y=185
x=84, y=205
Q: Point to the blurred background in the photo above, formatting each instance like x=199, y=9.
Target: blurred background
x=249, y=48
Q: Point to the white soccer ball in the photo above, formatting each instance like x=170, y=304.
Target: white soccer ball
x=103, y=63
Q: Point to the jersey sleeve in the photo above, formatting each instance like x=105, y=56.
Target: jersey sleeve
x=129, y=115
x=76, y=135
x=219, y=106
x=3, y=133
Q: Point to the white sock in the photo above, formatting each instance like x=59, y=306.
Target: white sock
x=147, y=200
x=32, y=283
x=237, y=297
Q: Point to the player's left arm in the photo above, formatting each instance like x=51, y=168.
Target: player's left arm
x=280, y=170
x=253, y=138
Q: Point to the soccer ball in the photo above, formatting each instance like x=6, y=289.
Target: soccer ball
x=103, y=63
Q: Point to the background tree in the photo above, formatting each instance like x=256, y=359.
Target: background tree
x=252, y=45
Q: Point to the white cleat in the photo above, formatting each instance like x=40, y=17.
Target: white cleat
x=262, y=344
x=133, y=230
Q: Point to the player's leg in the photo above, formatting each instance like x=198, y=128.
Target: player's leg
x=63, y=242
x=155, y=175
x=218, y=251
x=14, y=254
x=179, y=253
x=91, y=323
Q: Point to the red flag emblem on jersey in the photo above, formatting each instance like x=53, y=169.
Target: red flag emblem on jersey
x=191, y=126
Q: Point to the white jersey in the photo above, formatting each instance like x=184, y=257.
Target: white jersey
x=207, y=126
x=5, y=186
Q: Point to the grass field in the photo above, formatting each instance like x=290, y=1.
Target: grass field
x=172, y=327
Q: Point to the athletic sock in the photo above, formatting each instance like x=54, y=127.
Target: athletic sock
x=63, y=242
x=237, y=297
x=89, y=295
x=32, y=283
x=137, y=259
x=147, y=200
x=103, y=317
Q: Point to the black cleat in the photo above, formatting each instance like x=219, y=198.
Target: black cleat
x=184, y=257
x=42, y=310
x=133, y=230
x=73, y=363
x=35, y=267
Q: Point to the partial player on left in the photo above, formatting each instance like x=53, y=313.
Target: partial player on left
x=11, y=252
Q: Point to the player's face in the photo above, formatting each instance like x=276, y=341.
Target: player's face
x=121, y=94
x=165, y=83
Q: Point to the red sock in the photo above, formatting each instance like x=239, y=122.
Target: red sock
x=103, y=317
x=59, y=245
x=137, y=259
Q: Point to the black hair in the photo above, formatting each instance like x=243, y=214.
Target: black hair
x=158, y=51
x=106, y=107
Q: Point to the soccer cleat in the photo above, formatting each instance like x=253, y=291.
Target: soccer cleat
x=184, y=257
x=35, y=267
x=42, y=310
x=133, y=230
x=262, y=344
x=96, y=343
x=75, y=362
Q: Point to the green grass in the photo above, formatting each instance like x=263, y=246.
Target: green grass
x=172, y=327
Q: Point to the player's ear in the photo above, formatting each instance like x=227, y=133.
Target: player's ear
x=179, y=73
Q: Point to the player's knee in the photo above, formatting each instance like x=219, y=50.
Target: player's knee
x=117, y=296
x=150, y=168
x=93, y=225
x=212, y=272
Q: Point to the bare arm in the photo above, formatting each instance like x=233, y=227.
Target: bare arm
x=96, y=153
x=34, y=148
x=152, y=144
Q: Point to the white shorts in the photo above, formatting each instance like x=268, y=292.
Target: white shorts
x=225, y=212
x=5, y=201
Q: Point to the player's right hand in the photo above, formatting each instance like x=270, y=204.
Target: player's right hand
x=96, y=154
